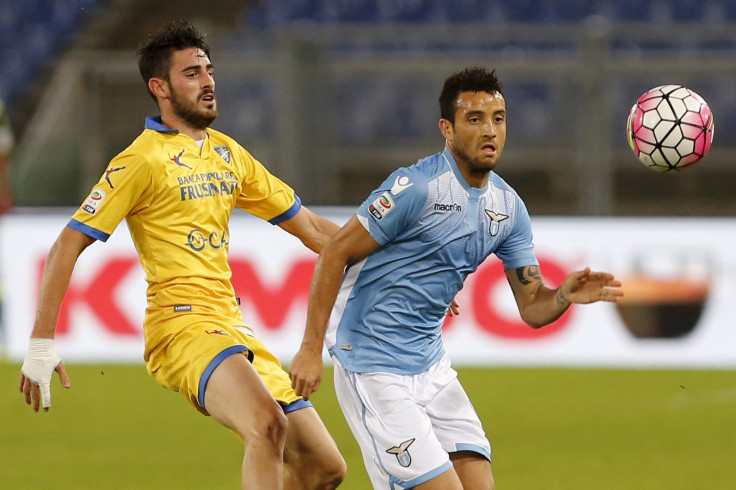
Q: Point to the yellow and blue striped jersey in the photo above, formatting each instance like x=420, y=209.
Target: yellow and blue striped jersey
x=177, y=200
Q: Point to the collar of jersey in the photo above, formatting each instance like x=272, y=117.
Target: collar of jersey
x=155, y=123
x=473, y=191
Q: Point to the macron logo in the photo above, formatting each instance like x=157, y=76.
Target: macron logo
x=401, y=183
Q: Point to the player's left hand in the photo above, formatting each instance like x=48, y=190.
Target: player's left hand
x=35, y=375
x=454, y=309
x=587, y=286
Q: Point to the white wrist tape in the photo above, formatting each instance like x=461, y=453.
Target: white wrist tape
x=39, y=365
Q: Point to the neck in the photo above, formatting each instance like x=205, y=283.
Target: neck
x=473, y=176
x=172, y=121
x=474, y=179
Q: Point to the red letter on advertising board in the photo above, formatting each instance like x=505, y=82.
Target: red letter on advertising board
x=272, y=304
x=487, y=278
x=99, y=297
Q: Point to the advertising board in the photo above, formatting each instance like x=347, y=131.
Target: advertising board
x=677, y=311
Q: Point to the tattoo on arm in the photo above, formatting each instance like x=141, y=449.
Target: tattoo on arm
x=528, y=274
x=560, y=298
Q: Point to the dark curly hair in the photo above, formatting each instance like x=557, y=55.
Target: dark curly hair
x=155, y=53
x=471, y=79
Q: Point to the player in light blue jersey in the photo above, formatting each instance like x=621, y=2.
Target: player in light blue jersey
x=385, y=282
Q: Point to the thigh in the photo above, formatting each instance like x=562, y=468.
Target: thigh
x=473, y=470
x=391, y=427
x=238, y=398
x=308, y=443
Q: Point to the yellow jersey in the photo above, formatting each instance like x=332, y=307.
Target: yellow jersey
x=177, y=199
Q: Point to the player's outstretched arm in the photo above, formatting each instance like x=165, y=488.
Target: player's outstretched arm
x=350, y=244
x=540, y=305
x=41, y=358
x=312, y=229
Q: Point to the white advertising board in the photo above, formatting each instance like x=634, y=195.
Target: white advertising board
x=678, y=278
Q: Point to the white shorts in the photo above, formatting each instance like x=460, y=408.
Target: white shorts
x=407, y=425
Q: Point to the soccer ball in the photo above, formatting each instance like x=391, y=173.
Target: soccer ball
x=670, y=128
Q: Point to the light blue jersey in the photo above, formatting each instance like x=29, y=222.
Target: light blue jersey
x=434, y=230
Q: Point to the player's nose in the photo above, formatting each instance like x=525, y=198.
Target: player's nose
x=208, y=81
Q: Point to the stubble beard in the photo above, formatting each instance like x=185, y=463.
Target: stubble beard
x=191, y=114
x=475, y=165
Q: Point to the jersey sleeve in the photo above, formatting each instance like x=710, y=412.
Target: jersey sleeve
x=394, y=206
x=125, y=186
x=262, y=194
x=517, y=250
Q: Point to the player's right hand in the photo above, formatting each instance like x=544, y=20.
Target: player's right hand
x=35, y=375
x=305, y=372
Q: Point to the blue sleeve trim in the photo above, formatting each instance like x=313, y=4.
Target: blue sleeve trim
x=297, y=405
x=475, y=449
x=289, y=213
x=517, y=264
x=235, y=349
x=88, y=230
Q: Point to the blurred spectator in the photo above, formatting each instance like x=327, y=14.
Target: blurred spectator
x=7, y=142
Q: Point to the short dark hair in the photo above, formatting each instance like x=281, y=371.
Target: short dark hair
x=155, y=53
x=471, y=79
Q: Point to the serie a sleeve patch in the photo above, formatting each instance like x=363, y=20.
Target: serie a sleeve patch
x=382, y=206
x=93, y=202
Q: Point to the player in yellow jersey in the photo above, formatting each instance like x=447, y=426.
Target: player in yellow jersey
x=176, y=186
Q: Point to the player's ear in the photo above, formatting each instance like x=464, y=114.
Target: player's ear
x=446, y=129
x=159, y=87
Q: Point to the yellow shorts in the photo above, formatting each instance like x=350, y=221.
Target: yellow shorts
x=184, y=348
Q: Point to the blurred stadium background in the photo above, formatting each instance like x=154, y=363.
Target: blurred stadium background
x=332, y=95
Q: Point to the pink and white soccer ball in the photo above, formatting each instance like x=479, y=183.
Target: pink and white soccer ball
x=670, y=128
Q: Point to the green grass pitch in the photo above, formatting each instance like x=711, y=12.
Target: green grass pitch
x=550, y=429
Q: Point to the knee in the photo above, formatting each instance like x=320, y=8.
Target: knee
x=274, y=426
x=329, y=474
x=333, y=472
x=325, y=473
x=267, y=429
